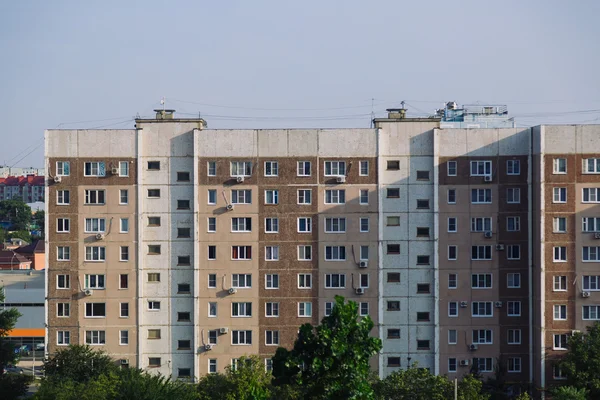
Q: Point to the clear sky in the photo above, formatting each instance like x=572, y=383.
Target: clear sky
x=253, y=64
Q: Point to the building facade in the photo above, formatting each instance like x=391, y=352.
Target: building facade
x=28, y=188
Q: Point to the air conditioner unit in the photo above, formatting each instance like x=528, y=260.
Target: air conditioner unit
x=473, y=347
x=232, y=290
x=487, y=234
x=229, y=207
x=360, y=290
x=115, y=170
x=363, y=264
x=239, y=179
x=597, y=235
x=574, y=331
x=464, y=363
x=99, y=236
x=57, y=179
x=585, y=294
x=88, y=292
x=124, y=361
x=340, y=179
x=487, y=178
x=208, y=347
x=498, y=304
x=463, y=304
x=223, y=331
x=500, y=247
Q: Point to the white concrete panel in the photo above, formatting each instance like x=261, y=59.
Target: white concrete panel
x=152, y=177
x=587, y=139
x=181, y=164
x=420, y=143
x=482, y=142
x=347, y=143
x=272, y=143
x=420, y=220
x=514, y=141
x=228, y=143
x=303, y=142
x=420, y=164
x=394, y=177
x=420, y=249
x=419, y=192
x=61, y=143
x=108, y=143
x=405, y=138
x=560, y=139
x=395, y=205
x=163, y=140
x=451, y=142
x=392, y=233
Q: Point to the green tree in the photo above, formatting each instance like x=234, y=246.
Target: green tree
x=247, y=381
x=137, y=384
x=330, y=361
x=415, y=384
x=470, y=388
x=524, y=396
x=25, y=235
x=103, y=387
x=79, y=363
x=581, y=364
x=39, y=219
x=16, y=212
x=569, y=393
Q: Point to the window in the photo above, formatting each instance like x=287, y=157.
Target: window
x=422, y=175
x=481, y=281
x=212, y=224
x=452, y=281
x=183, y=176
x=154, y=362
x=184, y=372
x=123, y=196
x=560, y=195
x=335, y=281
x=241, y=252
x=452, y=252
x=451, y=168
x=422, y=204
x=513, y=280
x=423, y=317
x=241, y=337
x=94, y=196
x=481, y=252
x=514, y=364
x=590, y=224
x=271, y=225
x=560, y=342
x=558, y=373
x=560, y=283
x=183, y=260
x=364, y=252
x=591, y=195
x=154, y=249
x=424, y=232
x=241, y=197
x=63, y=225
x=304, y=224
x=393, y=277
x=271, y=168
x=513, y=224
x=241, y=309
x=184, y=344
x=183, y=204
x=335, y=253
x=560, y=312
x=241, y=224
x=94, y=225
x=212, y=309
x=393, y=305
x=124, y=225
x=422, y=344
x=63, y=253
x=364, y=168
x=124, y=310
x=212, y=366
x=560, y=225
x=392, y=193
x=63, y=338
x=153, y=333
x=482, y=336
x=452, y=336
x=451, y=196
x=63, y=168
x=303, y=168
x=95, y=253
x=95, y=337
x=591, y=254
x=272, y=338
x=484, y=364
x=393, y=221
x=153, y=276
x=591, y=313
x=183, y=288
x=304, y=281
x=63, y=309
x=335, y=196
x=481, y=168
x=63, y=197
x=451, y=364
x=393, y=333
x=271, y=309
x=422, y=260
x=393, y=361
x=95, y=310
x=393, y=165
x=305, y=309
x=364, y=280
x=153, y=165
x=241, y=168
x=328, y=308
x=453, y=309
x=94, y=281
x=591, y=165
x=423, y=288
x=514, y=336
x=153, y=305
x=560, y=166
x=241, y=281
x=364, y=224
x=123, y=281
x=513, y=195
x=123, y=168
x=153, y=221
x=211, y=168
x=212, y=280
x=335, y=168
x=482, y=309
x=513, y=167
x=481, y=196
x=272, y=281
x=451, y=224
x=514, y=308
x=560, y=254
x=481, y=224
x=363, y=309
x=304, y=196
x=591, y=282
x=305, y=253
x=513, y=252
x=271, y=196
x=94, y=169
x=335, y=225
x=153, y=193
x=393, y=249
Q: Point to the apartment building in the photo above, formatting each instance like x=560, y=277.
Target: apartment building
x=28, y=188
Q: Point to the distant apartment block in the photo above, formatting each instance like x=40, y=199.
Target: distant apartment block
x=6, y=171
x=29, y=189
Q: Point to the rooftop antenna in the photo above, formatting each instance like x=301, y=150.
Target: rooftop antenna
x=162, y=101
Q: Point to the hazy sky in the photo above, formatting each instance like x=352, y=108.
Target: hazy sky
x=251, y=64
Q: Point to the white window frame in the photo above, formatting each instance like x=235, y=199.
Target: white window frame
x=211, y=168
x=272, y=281
x=452, y=336
x=272, y=309
x=272, y=196
x=63, y=253
x=561, y=343
x=482, y=281
x=211, y=224
x=63, y=338
x=363, y=165
x=513, y=252
x=90, y=201
x=452, y=225
x=240, y=224
x=303, y=168
x=513, y=280
x=360, y=223
x=559, y=195
x=92, y=311
x=590, y=254
x=95, y=225
x=304, y=281
x=272, y=167
x=305, y=309
x=514, y=364
x=476, y=309
x=123, y=196
x=590, y=224
x=329, y=281
x=335, y=225
x=271, y=253
x=99, y=165
x=98, y=255
x=559, y=284
x=588, y=315
x=63, y=225
x=94, y=281
x=484, y=336
x=242, y=337
x=453, y=309
x=363, y=197
x=485, y=249
x=516, y=334
x=452, y=278
x=271, y=225
x=594, y=163
x=481, y=168
x=241, y=196
x=333, y=250
x=273, y=335
x=242, y=249
x=241, y=309
x=513, y=195
x=559, y=166
x=66, y=278
x=560, y=312
x=592, y=194
x=513, y=167
x=481, y=194
x=559, y=254
x=124, y=225
x=236, y=281
x=334, y=168
x=63, y=197
x=61, y=170
x=302, y=252
x=511, y=308
x=304, y=196
x=63, y=310
x=307, y=224
x=335, y=196
x=590, y=283
x=453, y=191
x=245, y=166
x=515, y=222
x=451, y=168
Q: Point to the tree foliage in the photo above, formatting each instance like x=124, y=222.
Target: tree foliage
x=25, y=235
x=80, y=363
x=569, y=393
x=330, y=361
x=416, y=384
x=581, y=365
x=247, y=381
x=39, y=219
x=8, y=320
x=470, y=388
x=16, y=212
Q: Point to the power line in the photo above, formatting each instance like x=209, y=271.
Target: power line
x=277, y=109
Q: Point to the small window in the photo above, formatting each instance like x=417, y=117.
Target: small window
x=304, y=196
x=560, y=195
x=212, y=252
x=393, y=333
x=393, y=193
x=513, y=167
x=184, y=344
x=183, y=176
x=123, y=168
x=393, y=221
x=423, y=288
x=154, y=362
x=153, y=221
x=560, y=166
x=452, y=336
x=124, y=225
x=271, y=225
x=153, y=165
x=422, y=175
x=393, y=165
x=124, y=253
x=153, y=276
x=363, y=309
x=184, y=260
x=364, y=196
x=451, y=168
x=212, y=224
x=393, y=249
x=63, y=225
x=422, y=204
x=393, y=305
x=364, y=224
x=123, y=338
x=452, y=281
x=422, y=260
x=183, y=204
x=451, y=196
x=154, y=249
x=154, y=305
x=452, y=224
x=364, y=168
x=393, y=277
x=422, y=317
x=153, y=193
x=452, y=252
x=184, y=233
x=271, y=168
x=183, y=317
x=63, y=197
x=304, y=281
x=123, y=281
x=123, y=196
x=452, y=364
x=271, y=196
x=422, y=232
x=211, y=169
x=183, y=288
x=63, y=168
x=422, y=344
x=393, y=361
x=124, y=312
x=303, y=168
x=153, y=333
x=212, y=281
x=559, y=225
